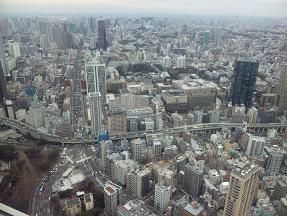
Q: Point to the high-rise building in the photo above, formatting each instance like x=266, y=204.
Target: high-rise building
x=92, y=24
x=157, y=148
x=96, y=113
x=281, y=89
x=3, y=88
x=243, y=83
x=14, y=49
x=180, y=62
x=255, y=146
x=111, y=203
x=242, y=189
x=102, y=38
x=96, y=79
x=138, y=149
x=2, y=58
x=122, y=168
x=166, y=62
x=274, y=160
x=161, y=197
x=105, y=147
x=127, y=99
x=193, y=180
x=143, y=182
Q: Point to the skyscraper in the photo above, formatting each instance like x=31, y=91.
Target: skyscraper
x=281, y=89
x=161, y=197
x=2, y=58
x=193, y=180
x=111, y=195
x=242, y=189
x=92, y=24
x=3, y=88
x=102, y=38
x=96, y=113
x=96, y=79
x=243, y=83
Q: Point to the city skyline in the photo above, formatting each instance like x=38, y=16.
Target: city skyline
x=268, y=8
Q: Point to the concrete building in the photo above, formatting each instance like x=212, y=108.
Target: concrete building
x=281, y=89
x=96, y=113
x=200, y=93
x=166, y=177
x=73, y=207
x=166, y=62
x=198, y=116
x=105, y=147
x=96, y=79
x=122, y=168
x=274, y=159
x=134, y=207
x=89, y=201
x=117, y=120
x=143, y=182
x=255, y=146
x=174, y=100
x=162, y=196
x=157, y=147
x=193, y=180
x=193, y=209
x=180, y=62
x=111, y=203
x=102, y=42
x=127, y=99
x=243, y=185
x=252, y=114
x=14, y=49
x=138, y=149
x=213, y=116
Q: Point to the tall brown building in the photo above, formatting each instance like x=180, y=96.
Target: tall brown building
x=242, y=189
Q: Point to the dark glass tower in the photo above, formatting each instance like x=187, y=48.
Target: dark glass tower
x=3, y=88
x=243, y=83
x=102, y=39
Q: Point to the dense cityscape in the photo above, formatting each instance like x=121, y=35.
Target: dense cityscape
x=143, y=115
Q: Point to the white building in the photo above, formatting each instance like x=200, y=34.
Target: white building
x=180, y=62
x=161, y=197
x=122, y=168
x=14, y=49
x=255, y=146
x=105, y=147
x=127, y=99
x=157, y=148
x=166, y=62
x=138, y=149
x=111, y=200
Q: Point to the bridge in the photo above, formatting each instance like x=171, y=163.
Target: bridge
x=206, y=128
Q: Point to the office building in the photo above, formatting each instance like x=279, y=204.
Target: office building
x=127, y=99
x=105, y=147
x=122, y=168
x=113, y=198
x=193, y=180
x=174, y=100
x=180, y=62
x=102, y=42
x=252, y=114
x=117, y=120
x=134, y=207
x=162, y=196
x=243, y=185
x=243, y=83
x=110, y=194
x=255, y=146
x=96, y=80
x=213, y=116
x=274, y=159
x=3, y=59
x=3, y=87
x=143, y=182
x=14, y=49
x=166, y=177
x=281, y=88
x=73, y=207
x=198, y=116
x=193, y=209
x=138, y=149
x=166, y=62
x=92, y=24
x=96, y=113
x=199, y=92
x=157, y=148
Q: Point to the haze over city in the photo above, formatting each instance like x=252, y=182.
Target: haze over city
x=143, y=107
x=273, y=8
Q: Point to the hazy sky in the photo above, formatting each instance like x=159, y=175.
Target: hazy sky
x=179, y=7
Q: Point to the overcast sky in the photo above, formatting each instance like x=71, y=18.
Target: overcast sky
x=275, y=8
